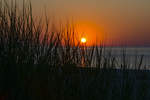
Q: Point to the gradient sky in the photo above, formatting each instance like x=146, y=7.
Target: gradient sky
x=117, y=21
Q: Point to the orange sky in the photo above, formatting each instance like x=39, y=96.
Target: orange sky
x=115, y=21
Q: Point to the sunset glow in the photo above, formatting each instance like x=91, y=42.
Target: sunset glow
x=89, y=30
x=126, y=21
x=83, y=40
x=58, y=49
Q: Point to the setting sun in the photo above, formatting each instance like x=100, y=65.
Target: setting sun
x=83, y=40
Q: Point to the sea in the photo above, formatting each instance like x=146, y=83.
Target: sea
x=133, y=55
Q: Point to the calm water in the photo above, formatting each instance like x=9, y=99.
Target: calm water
x=133, y=55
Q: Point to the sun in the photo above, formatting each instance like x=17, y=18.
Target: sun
x=83, y=40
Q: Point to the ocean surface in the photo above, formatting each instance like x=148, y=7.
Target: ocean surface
x=132, y=55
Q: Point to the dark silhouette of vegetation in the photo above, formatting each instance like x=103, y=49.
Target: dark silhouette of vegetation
x=37, y=63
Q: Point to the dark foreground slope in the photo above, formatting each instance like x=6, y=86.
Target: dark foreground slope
x=74, y=84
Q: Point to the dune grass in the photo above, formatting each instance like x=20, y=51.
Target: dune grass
x=25, y=40
x=38, y=63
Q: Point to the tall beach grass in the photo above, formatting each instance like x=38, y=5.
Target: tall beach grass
x=35, y=60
